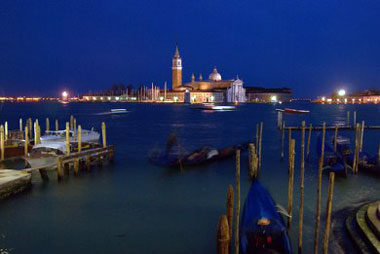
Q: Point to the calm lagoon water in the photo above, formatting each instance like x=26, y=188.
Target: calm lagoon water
x=135, y=207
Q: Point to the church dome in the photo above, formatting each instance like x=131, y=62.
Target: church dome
x=215, y=76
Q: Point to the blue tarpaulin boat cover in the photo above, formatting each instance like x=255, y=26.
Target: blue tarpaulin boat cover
x=253, y=237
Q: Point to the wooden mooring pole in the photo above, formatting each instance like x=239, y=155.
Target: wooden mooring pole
x=30, y=127
x=336, y=138
x=26, y=144
x=88, y=162
x=354, y=123
x=75, y=129
x=47, y=124
x=319, y=195
x=59, y=168
x=291, y=180
x=289, y=146
x=230, y=211
x=260, y=148
x=39, y=134
x=2, y=145
x=251, y=172
x=56, y=125
x=79, y=139
x=6, y=130
x=76, y=166
x=222, y=241
x=282, y=140
x=21, y=128
x=71, y=122
x=356, y=151
x=279, y=119
x=361, y=136
x=35, y=132
x=104, y=134
x=237, y=212
x=308, y=141
x=328, y=214
x=348, y=118
x=257, y=136
x=302, y=185
x=67, y=138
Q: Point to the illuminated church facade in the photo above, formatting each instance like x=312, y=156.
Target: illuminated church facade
x=213, y=89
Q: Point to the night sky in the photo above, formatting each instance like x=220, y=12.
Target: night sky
x=312, y=47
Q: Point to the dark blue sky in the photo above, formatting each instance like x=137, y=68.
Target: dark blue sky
x=309, y=46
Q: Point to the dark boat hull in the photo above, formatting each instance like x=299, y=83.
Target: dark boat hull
x=197, y=157
x=255, y=237
x=332, y=161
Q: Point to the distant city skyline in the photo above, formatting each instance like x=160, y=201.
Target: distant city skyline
x=310, y=47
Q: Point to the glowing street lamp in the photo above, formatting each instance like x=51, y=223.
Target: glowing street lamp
x=65, y=95
x=342, y=92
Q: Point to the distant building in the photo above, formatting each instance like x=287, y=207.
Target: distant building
x=260, y=94
x=366, y=96
x=214, y=89
x=176, y=70
x=236, y=93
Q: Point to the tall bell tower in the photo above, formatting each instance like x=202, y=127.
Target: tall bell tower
x=176, y=70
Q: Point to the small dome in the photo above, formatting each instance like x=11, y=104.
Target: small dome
x=215, y=76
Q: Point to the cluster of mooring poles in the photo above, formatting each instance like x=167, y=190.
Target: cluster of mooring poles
x=224, y=229
x=225, y=224
x=347, y=126
x=291, y=166
x=357, y=127
x=83, y=157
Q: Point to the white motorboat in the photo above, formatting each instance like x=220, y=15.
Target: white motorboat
x=211, y=106
x=88, y=136
x=45, y=155
x=292, y=110
x=116, y=111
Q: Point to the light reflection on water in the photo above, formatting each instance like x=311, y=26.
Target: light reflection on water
x=135, y=207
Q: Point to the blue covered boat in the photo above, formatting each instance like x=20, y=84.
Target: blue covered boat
x=334, y=161
x=262, y=229
x=366, y=162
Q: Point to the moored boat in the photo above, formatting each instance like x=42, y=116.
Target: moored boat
x=14, y=147
x=201, y=156
x=60, y=136
x=262, y=229
x=333, y=161
x=116, y=111
x=366, y=162
x=213, y=107
x=45, y=154
x=292, y=110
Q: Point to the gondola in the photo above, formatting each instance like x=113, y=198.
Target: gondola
x=333, y=161
x=198, y=157
x=262, y=229
x=366, y=162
